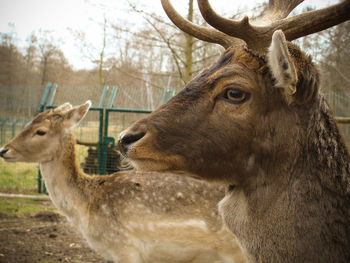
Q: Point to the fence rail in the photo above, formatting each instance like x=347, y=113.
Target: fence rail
x=345, y=120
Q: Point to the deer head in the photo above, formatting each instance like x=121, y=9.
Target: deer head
x=40, y=141
x=247, y=111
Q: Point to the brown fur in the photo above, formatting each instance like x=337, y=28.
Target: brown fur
x=289, y=199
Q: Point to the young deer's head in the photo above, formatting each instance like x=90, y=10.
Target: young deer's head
x=41, y=139
x=247, y=111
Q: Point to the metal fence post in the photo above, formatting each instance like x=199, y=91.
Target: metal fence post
x=39, y=181
x=44, y=98
x=165, y=95
x=52, y=94
x=41, y=109
x=100, y=131
x=107, y=141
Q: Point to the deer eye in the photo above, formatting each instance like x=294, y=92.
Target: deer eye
x=236, y=96
x=40, y=132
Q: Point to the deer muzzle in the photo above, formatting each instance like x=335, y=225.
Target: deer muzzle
x=3, y=151
x=126, y=140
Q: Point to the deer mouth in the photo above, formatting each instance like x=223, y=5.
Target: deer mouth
x=11, y=155
x=4, y=154
x=10, y=159
x=150, y=165
x=144, y=160
x=146, y=164
x=139, y=148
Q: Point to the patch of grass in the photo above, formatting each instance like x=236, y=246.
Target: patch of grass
x=23, y=177
x=20, y=206
x=18, y=177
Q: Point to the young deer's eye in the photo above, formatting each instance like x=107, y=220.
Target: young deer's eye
x=236, y=96
x=40, y=132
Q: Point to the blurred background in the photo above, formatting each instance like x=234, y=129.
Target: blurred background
x=121, y=55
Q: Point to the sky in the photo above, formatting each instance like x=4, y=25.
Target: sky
x=58, y=16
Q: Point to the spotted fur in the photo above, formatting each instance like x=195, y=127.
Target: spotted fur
x=127, y=217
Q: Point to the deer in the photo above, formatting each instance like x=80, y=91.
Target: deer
x=128, y=216
x=257, y=121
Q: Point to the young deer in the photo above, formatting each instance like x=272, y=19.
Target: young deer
x=257, y=121
x=128, y=216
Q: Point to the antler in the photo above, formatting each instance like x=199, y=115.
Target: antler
x=203, y=33
x=258, y=36
x=279, y=9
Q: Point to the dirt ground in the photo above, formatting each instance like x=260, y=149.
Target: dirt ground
x=43, y=237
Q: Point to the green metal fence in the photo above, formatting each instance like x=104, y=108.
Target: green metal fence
x=102, y=156
x=110, y=114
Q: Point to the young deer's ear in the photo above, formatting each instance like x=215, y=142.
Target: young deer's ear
x=76, y=114
x=281, y=64
x=64, y=107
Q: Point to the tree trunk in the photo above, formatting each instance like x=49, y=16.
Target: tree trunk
x=102, y=53
x=43, y=78
x=189, y=46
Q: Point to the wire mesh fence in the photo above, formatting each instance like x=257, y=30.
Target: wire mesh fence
x=91, y=136
x=339, y=101
x=23, y=177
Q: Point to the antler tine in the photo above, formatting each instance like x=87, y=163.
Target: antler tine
x=315, y=21
x=239, y=29
x=279, y=9
x=258, y=36
x=203, y=33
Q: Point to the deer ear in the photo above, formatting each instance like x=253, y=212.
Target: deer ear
x=76, y=114
x=281, y=64
x=64, y=107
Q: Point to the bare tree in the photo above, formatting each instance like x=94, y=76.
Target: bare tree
x=48, y=50
x=95, y=53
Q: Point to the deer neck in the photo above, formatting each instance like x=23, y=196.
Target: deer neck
x=328, y=151
x=295, y=205
x=64, y=181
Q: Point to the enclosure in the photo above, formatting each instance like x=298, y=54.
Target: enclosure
x=128, y=59
x=113, y=109
x=45, y=235
x=97, y=152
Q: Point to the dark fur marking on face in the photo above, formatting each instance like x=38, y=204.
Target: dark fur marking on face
x=231, y=72
x=223, y=61
x=195, y=88
x=192, y=92
x=209, y=77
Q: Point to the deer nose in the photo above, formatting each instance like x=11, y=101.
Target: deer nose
x=126, y=140
x=3, y=151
